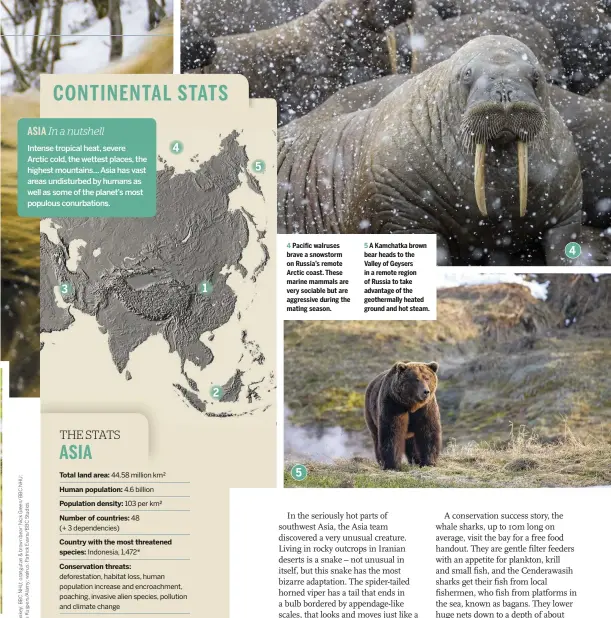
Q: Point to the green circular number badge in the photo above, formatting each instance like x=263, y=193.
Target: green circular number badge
x=299, y=472
x=258, y=166
x=572, y=250
x=216, y=392
x=204, y=287
x=176, y=146
x=66, y=288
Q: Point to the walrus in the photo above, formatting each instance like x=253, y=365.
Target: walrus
x=589, y=122
x=215, y=18
x=196, y=48
x=301, y=63
x=21, y=235
x=581, y=31
x=223, y=17
x=439, y=41
x=602, y=91
x=470, y=150
x=350, y=99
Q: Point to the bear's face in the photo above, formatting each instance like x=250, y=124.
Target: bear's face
x=414, y=384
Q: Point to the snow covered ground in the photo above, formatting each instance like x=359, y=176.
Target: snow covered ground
x=454, y=279
x=88, y=37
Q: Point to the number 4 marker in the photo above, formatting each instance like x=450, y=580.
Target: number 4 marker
x=176, y=147
x=572, y=250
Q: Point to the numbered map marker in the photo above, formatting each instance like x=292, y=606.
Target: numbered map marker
x=66, y=288
x=176, y=146
x=216, y=392
x=572, y=250
x=258, y=166
x=204, y=287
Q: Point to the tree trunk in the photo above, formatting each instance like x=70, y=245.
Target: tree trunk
x=101, y=8
x=45, y=53
x=36, y=39
x=116, y=29
x=20, y=78
x=56, y=30
x=12, y=15
x=156, y=13
x=24, y=10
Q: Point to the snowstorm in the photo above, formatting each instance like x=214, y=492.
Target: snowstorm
x=485, y=122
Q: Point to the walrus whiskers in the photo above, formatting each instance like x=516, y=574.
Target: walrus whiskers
x=479, y=178
x=523, y=175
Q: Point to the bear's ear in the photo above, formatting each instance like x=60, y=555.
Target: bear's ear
x=401, y=366
x=434, y=366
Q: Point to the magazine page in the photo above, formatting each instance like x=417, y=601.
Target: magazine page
x=306, y=308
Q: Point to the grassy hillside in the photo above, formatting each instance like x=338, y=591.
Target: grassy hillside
x=507, y=360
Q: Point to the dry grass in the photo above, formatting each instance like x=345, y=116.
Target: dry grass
x=505, y=358
x=328, y=364
x=523, y=461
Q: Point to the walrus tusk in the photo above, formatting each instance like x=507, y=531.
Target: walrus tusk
x=479, y=178
x=391, y=45
x=523, y=175
x=414, y=52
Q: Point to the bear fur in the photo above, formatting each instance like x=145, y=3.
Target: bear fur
x=403, y=416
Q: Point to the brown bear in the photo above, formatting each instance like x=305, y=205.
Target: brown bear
x=403, y=416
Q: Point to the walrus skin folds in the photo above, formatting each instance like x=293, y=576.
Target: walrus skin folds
x=471, y=150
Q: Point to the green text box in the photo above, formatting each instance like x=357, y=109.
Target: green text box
x=87, y=167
